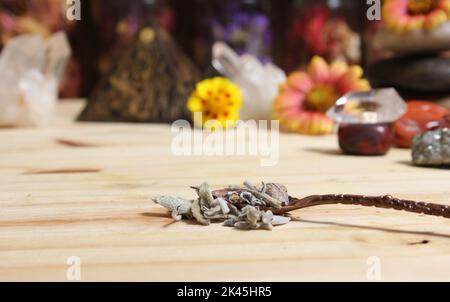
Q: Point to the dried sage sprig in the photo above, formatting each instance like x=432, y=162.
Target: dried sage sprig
x=239, y=207
x=250, y=207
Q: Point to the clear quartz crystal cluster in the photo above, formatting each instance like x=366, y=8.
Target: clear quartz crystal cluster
x=30, y=71
x=370, y=107
x=207, y=208
x=432, y=148
x=259, y=82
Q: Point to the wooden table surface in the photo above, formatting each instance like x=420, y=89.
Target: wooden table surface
x=83, y=190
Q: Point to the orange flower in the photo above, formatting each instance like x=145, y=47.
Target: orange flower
x=305, y=98
x=413, y=15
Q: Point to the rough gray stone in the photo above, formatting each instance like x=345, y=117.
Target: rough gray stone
x=432, y=148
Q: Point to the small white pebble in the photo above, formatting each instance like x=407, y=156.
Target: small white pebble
x=280, y=220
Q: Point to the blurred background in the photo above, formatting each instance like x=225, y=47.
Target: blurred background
x=157, y=61
x=285, y=32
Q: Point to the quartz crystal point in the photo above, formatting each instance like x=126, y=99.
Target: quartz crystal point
x=371, y=107
x=432, y=148
x=259, y=82
x=30, y=71
x=366, y=120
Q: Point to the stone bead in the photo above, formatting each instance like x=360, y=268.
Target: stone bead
x=432, y=148
x=366, y=139
x=420, y=117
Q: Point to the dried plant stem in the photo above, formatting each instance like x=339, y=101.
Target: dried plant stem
x=385, y=202
x=270, y=200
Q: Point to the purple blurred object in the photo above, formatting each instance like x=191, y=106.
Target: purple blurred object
x=242, y=25
x=247, y=33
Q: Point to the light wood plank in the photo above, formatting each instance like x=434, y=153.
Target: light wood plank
x=93, y=202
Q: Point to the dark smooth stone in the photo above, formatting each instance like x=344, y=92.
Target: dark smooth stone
x=366, y=139
x=417, y=73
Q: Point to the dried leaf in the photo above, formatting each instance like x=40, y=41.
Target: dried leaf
x=279, y=192
x=280, y=220
x=243, y=225
x=174, y=204
x=223, y=205
x=204, y=192
x=251, y=215
x=197, y=213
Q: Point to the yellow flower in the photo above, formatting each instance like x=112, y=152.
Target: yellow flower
x=218, y=100
x=414, y=15
x=304, y=99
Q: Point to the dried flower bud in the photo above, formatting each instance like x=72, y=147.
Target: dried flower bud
x=234, y=198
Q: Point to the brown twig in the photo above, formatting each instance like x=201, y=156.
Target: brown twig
x=385, y=202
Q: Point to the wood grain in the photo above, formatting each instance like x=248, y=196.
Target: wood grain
x=93, y=202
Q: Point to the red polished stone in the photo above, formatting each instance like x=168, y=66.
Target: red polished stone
x=366, y=139
x=421, y=116
x=444, y=122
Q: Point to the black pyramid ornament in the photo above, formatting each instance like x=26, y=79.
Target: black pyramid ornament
x=150, y=83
